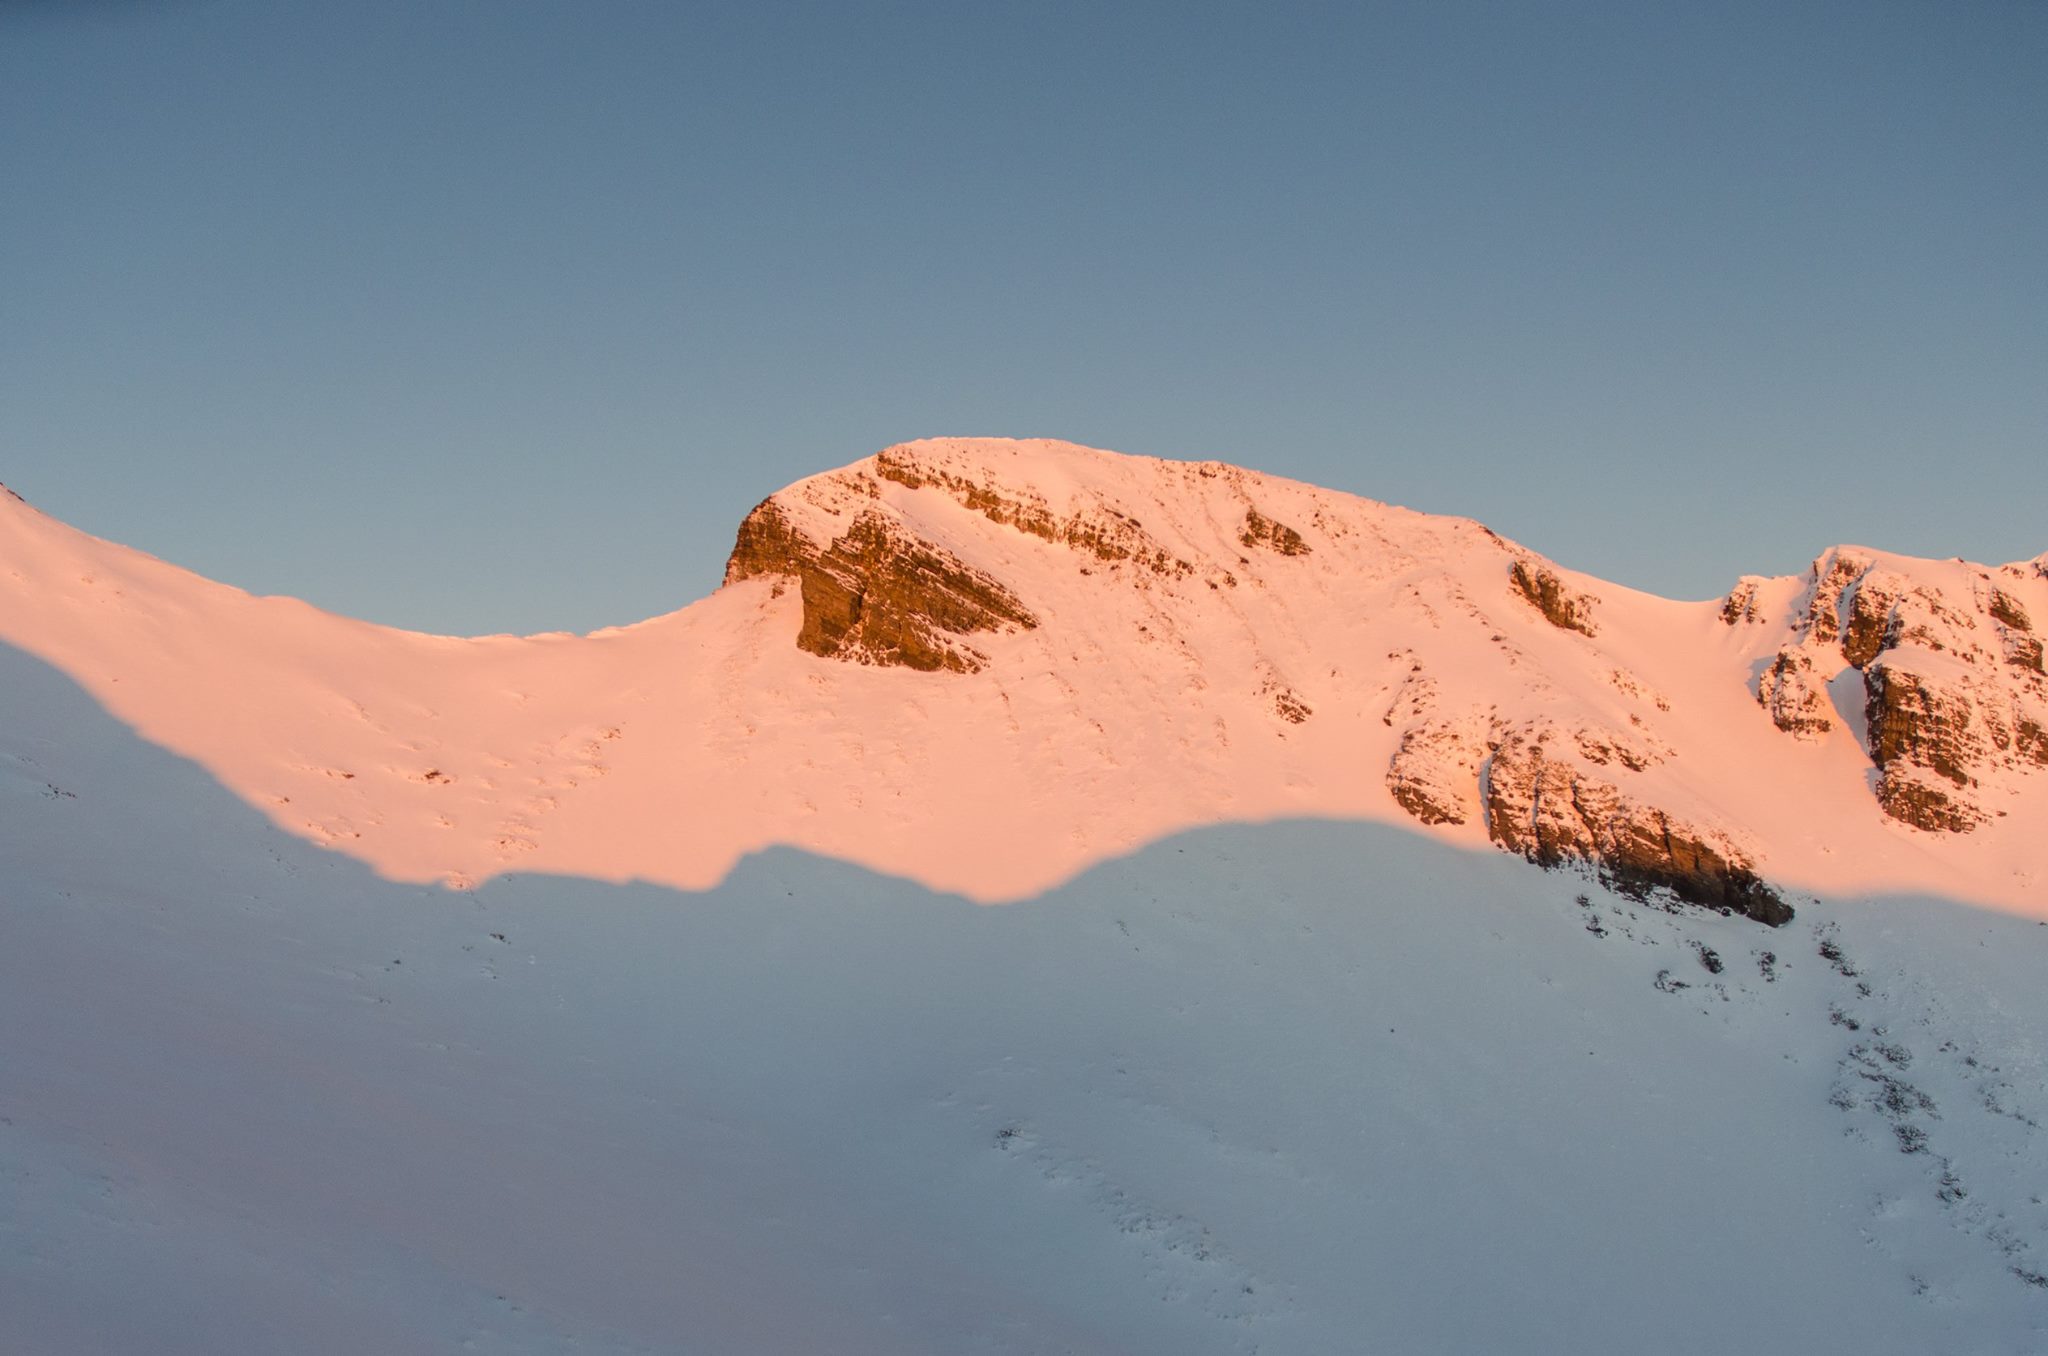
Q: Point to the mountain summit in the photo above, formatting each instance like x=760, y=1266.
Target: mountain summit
x=985, y=664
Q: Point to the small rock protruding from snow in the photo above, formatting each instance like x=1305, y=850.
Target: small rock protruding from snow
x=1562, y=607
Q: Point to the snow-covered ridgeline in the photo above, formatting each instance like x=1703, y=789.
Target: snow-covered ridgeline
x=985, y=664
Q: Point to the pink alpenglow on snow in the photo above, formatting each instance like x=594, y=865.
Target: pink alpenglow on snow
x=985, y=665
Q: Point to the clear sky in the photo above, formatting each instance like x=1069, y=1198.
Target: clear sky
x=477, y=316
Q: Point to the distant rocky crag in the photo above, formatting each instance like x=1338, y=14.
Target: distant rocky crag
x=1952, y=680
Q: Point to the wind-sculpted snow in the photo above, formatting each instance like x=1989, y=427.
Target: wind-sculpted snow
x=988, y=665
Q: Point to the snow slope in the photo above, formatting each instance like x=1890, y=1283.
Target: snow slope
x=709, y=1055
x=1295, y=1088
x=1235, y=683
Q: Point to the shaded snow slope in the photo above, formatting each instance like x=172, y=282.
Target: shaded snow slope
x=1293, y=1088
x=1111, y=649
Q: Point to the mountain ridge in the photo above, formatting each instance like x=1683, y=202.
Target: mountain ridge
x=985, y=663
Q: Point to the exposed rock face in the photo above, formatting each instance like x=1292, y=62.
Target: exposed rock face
x=1435, y=772
x=1832, y=574
x=1796, y=696
x=875, y=596
x=1533, y=789
x=1924, y=724
x=2007, y=612
x=1259, y=530
x=2030, y=741
x=1951, y=678
x=1105, y=534
x=1547, y=594
x=1740, y=605
x=1913, y=798
x=2022, y=646
x=1551, y=811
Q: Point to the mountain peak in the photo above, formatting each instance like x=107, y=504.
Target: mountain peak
x=900, y=555
x=987, y=664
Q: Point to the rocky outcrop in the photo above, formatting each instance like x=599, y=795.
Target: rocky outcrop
x=1543, y=590
x=1951, y=681
x=2007, y=612
x=1534, y=789
x=2022, y=646
x=876, y=596
x=1631, y=750
x=1740, y=606
x=1937, y=731
x=1796, y=695
x=1552, y=811
x=1101, y=532
x=1921, y=722
x=1259, y=530
x=1832, y=573
x=1870, y=608
x=1792, y=688
x=1911, y=797
x=1435, y=773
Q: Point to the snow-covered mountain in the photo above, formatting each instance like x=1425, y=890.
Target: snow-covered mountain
x=1277, y=1046
x=985, y=665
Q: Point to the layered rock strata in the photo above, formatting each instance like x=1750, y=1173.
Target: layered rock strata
x=876, y=596
x=1533, y=788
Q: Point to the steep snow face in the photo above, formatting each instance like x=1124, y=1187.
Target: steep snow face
x=986, y=664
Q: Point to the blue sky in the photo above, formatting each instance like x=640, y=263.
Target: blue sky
x=498, y=316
